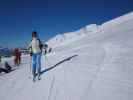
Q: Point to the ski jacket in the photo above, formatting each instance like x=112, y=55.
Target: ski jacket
x=35, y=45
x=17, y=53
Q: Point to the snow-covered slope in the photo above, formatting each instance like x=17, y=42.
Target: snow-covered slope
x=73, y=36
x=89, y=30
x=118, y=21
x=96, y=64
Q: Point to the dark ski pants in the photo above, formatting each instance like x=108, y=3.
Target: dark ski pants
x=4, y=70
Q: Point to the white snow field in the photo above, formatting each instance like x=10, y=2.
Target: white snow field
x=93, y=63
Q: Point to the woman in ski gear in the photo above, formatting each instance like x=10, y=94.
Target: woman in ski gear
x=17, y=54
x=35, y=52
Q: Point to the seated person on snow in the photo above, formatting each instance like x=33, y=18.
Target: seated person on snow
x=7, y=68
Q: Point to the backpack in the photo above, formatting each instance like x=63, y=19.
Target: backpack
x=40, y=44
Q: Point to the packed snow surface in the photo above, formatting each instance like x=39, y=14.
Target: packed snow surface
x=93, y=63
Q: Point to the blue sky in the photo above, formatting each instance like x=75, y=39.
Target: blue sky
x=18, y=18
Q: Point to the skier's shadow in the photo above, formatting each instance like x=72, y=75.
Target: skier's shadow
x=67, y=59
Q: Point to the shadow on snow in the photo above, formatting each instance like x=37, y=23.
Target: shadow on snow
x=67, y=59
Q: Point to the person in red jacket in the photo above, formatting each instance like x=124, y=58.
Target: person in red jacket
x=17, y=59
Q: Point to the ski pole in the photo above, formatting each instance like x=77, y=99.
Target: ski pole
x=30, y=66
x=46, y=59
x=30, y=63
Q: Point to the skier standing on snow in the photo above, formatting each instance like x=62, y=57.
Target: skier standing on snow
x=17, y=58
x=35, y=51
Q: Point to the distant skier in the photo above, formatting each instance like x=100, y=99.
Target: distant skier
x=45, y=49
x=35, y=51
x=17, y=59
